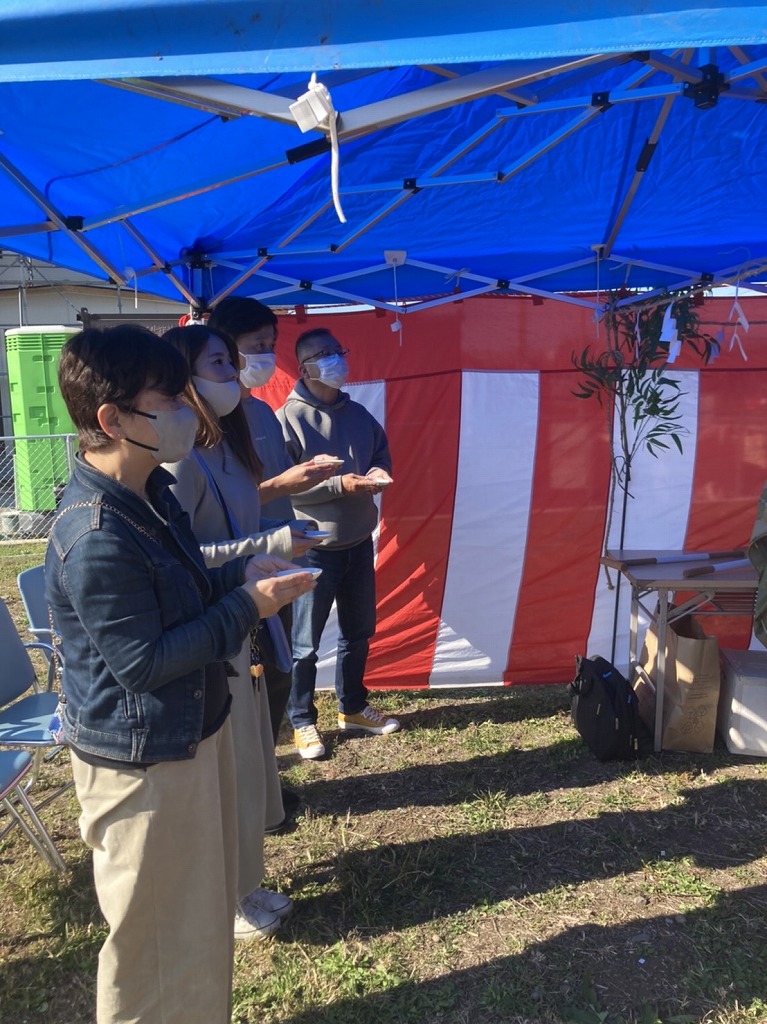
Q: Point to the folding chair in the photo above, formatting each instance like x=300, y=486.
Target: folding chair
x=24, y=720
x=14, y=766
x=31, y=584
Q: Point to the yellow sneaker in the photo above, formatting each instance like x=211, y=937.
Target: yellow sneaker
x=309, y=742
x=368, y=720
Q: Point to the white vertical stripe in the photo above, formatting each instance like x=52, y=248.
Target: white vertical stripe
x=656, y=518
x=499, y=416
x=373, y=396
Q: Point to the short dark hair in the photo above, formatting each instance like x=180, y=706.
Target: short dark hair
x=112, y=365
x=304, y=340
x=236, y=315
x=190, y=341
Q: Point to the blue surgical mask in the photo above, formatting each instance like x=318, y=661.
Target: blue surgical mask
x=259, y=368
x=333, y=371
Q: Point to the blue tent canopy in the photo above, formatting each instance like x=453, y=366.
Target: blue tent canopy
x=153, y=143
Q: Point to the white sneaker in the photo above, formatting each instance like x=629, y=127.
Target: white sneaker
x=271, y=902
x=309, y=742
x=251, y=922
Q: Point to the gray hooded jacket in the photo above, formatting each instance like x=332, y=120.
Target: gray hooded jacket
x=344, y=429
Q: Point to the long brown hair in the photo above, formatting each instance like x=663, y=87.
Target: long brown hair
x=190, y=341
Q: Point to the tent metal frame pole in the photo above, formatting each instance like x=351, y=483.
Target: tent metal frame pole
x=237, y=281
x=295, y=232
x=454, y=91
x=28, y=229
x=346, y=130
x=570, y=79
x=642, y=165
x=381, y=212
x=229, y=100
x=677, y=68
x=548, y=144
x=752, y=69
x=158, y=262
x=155, y=202
x=538, y=274
x=60, y=221
x=432, y=172
x=480, y=178
x=209, y=94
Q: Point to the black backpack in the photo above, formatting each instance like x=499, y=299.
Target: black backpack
x=604, y=711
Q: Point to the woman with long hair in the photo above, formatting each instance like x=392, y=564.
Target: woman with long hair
x=217, y=485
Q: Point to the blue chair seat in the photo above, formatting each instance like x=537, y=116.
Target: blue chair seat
x=26, y=722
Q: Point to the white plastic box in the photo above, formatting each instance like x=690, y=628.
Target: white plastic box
x=742, y=714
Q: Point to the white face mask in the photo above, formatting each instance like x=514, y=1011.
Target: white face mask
x=334, y=371
x=221, y=396
x=259, y=369
x=176, y=431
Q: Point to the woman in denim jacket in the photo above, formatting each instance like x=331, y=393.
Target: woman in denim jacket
x=146, y=630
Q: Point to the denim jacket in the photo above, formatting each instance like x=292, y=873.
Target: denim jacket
x=139, y=616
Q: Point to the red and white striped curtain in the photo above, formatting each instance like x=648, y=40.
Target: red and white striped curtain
x=488, y=551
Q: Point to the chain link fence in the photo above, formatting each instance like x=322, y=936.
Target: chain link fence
x=33, y=472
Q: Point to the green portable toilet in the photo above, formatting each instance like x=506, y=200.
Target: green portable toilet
x=37, y=408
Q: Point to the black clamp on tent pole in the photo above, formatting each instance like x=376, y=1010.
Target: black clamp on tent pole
x=195, y=259
x=308, y=150
x=648, y=152
x=705, y=93
x=601, y=100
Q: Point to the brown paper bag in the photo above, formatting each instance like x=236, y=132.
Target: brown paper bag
x=691, y=688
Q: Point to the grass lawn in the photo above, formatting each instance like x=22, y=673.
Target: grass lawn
x=477, y=867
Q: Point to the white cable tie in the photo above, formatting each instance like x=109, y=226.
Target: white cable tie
x=334, y=164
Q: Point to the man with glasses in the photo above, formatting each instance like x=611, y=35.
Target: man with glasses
x=319, y=419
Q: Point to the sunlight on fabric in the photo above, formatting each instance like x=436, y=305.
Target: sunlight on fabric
x=659, y=488
x=499, y=416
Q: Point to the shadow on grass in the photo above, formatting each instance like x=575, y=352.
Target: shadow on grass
x=62, y=979
x=395, y=886
x=614, y=974
x=565, y=764
x=500, y=706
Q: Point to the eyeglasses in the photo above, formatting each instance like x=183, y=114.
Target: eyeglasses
x=324, y=354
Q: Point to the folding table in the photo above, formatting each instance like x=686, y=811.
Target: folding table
x=719, y=583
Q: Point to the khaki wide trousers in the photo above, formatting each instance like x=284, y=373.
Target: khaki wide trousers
x=164, y=844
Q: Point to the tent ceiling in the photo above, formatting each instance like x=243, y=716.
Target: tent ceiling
x=530, y=154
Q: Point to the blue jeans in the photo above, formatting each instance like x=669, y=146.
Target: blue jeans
x=348, y=577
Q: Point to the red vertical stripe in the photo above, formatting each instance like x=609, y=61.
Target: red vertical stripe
x=567, y=524
x=730, y=471
x=422, y=424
